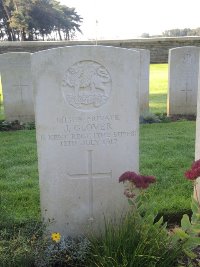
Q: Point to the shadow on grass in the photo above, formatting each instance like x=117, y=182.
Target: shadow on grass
x=158, y=103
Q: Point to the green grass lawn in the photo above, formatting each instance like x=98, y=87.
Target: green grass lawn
x=19, y=191
x=166, y=151
x=158, y=88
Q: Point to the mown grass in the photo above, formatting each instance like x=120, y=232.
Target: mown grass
x=158, y=88
x=166, y=151
x=19, y=191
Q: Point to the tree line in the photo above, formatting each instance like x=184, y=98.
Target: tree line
x=176, y=33
x=182, y=32
x=32, y=20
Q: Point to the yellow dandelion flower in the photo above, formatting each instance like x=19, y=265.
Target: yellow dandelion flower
x=56, y=237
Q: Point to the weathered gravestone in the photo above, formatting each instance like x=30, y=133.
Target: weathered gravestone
x=15, y=69
x=183, y=80
x=144, y=80
x=197, y=144
x=87, y=114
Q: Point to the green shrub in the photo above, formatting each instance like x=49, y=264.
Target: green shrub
x=67, y=252
x=137, y=240
x=16, y=125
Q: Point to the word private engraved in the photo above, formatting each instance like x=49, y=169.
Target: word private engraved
x=87, y=85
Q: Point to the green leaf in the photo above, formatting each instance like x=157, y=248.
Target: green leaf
x=181, y=234
x=131, y=202
x=185, y=222
x=190, y=254
x=194, y=205
x=195, y=218
x=196, y=229
x=159, y=222
x=150, y=218
x=192, y=242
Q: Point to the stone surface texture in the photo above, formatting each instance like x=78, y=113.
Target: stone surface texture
x=183, y=80
x=87, y=121
x=144, y=80
x=197, y=141
x=15, y=69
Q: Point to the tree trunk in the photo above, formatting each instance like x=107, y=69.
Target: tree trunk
x=59, y=33
x=10, y=31
x=23, y=35
x=30, y=36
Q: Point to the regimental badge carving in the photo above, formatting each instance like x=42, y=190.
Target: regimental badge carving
x=87, y=85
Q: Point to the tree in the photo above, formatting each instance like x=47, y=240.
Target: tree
x=34, y=19
x=182, y=32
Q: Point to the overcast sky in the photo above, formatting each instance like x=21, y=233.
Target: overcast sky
x=129, y=18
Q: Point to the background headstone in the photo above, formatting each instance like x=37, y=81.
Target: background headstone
x=144, y=80
x=183, y=80
x=87, y=122
x=197, y=143
x=15, y=69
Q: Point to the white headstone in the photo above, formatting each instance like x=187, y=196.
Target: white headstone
x=87, y=121
x=197, y=143
x=15, y=69
x=183, y=80
x=144, y=80
x=197, y=147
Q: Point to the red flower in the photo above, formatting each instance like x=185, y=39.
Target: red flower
x=194, y=172
x=196, y=164
x=127, y=176
x=140, y=181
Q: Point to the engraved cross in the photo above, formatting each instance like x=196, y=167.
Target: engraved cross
x=90, y=175
x=186, y=92
x=20, y=86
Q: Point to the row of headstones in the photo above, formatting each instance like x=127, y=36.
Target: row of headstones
x=15, y=70
x=86, y=102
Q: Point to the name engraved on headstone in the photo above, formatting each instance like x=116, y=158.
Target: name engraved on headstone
x=90, y=175
x=86, y=85
x=89, y=130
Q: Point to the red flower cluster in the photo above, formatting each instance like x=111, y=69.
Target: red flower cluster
x=194, y=172
x=140, y=181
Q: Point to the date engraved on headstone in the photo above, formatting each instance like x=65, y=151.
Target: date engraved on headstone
x=87, y=85
x=90, y=175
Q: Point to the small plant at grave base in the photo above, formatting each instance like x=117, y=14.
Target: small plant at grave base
x=17, y=244
x=138, y=240
x=149, y=118
x=16, y=125
x=189, y=232
x=59, y=251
